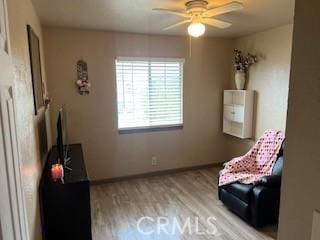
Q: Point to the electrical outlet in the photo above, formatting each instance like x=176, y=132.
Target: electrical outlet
x=154, y=161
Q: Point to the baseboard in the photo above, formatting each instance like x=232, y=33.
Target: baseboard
x=152, y=174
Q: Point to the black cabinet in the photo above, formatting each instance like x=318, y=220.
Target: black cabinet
x=65, y=207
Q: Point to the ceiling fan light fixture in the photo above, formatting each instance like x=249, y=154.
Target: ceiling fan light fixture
x=196, y=29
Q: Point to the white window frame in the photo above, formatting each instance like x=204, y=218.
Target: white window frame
x=154, y=127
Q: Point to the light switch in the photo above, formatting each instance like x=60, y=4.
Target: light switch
x=316, y=226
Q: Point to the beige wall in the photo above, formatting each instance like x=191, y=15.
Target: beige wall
x=92, y=120
x=300, y=188
x=21, y=13
x=269, y=78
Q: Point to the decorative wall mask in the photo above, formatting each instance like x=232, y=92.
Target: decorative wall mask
x=82, y=78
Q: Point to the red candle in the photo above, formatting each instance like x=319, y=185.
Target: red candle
x=57, y=172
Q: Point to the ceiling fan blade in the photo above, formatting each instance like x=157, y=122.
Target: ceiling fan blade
x=177, y=24
x=216, y=23
x=230, y=7
x=174, y=12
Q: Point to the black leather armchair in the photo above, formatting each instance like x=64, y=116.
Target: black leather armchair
x=257, y=204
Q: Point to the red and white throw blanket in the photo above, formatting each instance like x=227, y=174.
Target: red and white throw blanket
x=257, y=163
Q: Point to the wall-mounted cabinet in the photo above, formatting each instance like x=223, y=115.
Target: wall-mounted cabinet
x=238, y=113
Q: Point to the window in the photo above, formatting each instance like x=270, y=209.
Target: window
x=149, y=93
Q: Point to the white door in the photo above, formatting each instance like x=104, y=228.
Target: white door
x=13, y=224
x=8, y=200
x=12, y=205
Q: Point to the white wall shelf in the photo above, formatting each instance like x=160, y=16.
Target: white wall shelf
x=238, y=113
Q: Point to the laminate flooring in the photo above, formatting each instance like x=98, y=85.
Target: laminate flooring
x=159, y=207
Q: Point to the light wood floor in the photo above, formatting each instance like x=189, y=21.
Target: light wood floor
x=117, y=207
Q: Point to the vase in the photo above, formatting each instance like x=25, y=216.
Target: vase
x=240, y=79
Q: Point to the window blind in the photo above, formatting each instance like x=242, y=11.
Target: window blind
x=149, y=92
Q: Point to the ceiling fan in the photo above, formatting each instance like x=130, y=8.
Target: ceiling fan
x=197, y=14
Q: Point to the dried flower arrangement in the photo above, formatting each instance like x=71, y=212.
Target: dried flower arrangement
x=242, y=63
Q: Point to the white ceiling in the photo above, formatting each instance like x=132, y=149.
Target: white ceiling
x=137, y=15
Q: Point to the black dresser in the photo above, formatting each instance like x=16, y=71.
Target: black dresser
x=65, y=207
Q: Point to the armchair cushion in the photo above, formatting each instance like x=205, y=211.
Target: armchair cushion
x=242, y=191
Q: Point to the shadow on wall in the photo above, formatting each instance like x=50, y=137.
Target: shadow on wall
x=42, y=137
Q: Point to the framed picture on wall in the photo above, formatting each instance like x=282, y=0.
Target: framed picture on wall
x=35, y=61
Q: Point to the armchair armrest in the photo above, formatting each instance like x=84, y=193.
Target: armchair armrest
x=265, y=205
x=271, y=181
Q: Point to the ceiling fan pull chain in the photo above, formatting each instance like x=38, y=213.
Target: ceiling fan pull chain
x=190, y=46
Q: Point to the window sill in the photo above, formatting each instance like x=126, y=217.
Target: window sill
x=150, y=129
